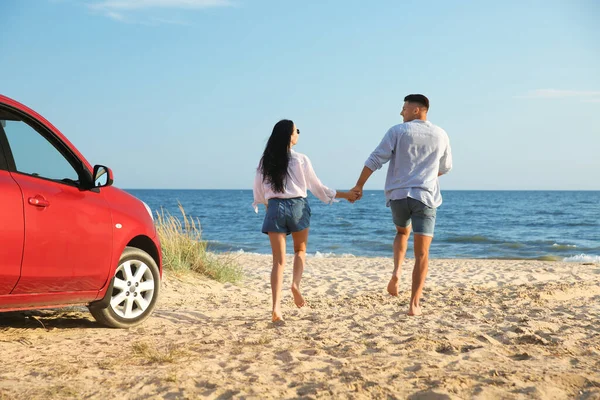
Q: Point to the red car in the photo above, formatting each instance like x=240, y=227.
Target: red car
x=68, y=237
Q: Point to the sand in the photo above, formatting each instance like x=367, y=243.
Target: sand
x=491, y=329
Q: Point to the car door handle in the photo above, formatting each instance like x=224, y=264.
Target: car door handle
x=39, y=201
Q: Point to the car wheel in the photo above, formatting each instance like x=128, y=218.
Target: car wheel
x=134, y=292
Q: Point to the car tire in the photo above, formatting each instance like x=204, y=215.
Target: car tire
x=134, y=291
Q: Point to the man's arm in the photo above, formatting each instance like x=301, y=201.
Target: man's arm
x=364, y=176
x=378, y=157
x=446, y=161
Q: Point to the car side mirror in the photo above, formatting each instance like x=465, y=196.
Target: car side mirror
x=103, y=176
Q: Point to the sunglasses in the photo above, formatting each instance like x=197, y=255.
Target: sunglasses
x=297, y=131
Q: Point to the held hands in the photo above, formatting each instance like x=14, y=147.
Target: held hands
x=353, y=194
x=358, y=191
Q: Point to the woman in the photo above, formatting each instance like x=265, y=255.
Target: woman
x=282, y=179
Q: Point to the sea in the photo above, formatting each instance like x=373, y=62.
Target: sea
x=530, y=225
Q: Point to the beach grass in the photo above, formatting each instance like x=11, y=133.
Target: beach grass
x=151, y=354
x=184, y=250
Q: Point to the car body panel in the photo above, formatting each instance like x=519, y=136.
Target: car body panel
x=68, y=244
x=127, y=216
x=12, y=232
x=14, y=302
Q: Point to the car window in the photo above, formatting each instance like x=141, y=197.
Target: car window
x=35, y=155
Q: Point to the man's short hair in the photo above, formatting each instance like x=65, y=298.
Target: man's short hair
x=419, y=99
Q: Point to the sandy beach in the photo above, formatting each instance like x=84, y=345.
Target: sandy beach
x=491, y=329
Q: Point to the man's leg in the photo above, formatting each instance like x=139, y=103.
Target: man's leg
x=300, y=240
x=400, y=245
x=422, y=244
x=401, y=218
x=278, y=249
x=423, y=222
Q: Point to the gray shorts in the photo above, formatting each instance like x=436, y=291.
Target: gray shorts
x=422, y=216
x=287, y=215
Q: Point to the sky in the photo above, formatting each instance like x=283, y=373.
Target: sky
x=184, y=93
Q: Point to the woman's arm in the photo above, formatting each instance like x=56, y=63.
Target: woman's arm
x=258, y=190
x=322, y=192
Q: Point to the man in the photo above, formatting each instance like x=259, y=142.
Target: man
x=419, y=152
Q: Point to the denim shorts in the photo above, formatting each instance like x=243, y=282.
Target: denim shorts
x=287, y=215
x=422, y=216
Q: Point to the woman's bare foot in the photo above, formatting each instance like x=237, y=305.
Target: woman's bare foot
x=298, y=299
x=276, y=315
x=414, y=310
x=393, y=286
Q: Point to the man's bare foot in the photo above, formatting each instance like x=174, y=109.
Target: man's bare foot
x=298, y=299
x=414, y=310
x=393, y=286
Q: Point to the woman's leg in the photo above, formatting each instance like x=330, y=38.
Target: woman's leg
x=300, y=240
x=278, y=249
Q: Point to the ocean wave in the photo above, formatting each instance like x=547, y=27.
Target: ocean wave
x=318, y=254
x=383, y=232
x=592, y=223
x=583, y=258
x=549, y=258
x=470, y=239
x=550, y=212
x=213, y=245
x=339, y=223
x=557, y=246
x=513, y=245
x=241, y=251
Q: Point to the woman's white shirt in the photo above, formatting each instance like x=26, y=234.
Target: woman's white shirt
x=301, y=177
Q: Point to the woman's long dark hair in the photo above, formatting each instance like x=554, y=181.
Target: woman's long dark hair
x=276, y=157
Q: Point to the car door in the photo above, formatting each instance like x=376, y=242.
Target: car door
x=12, y=226
x=68, y=229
